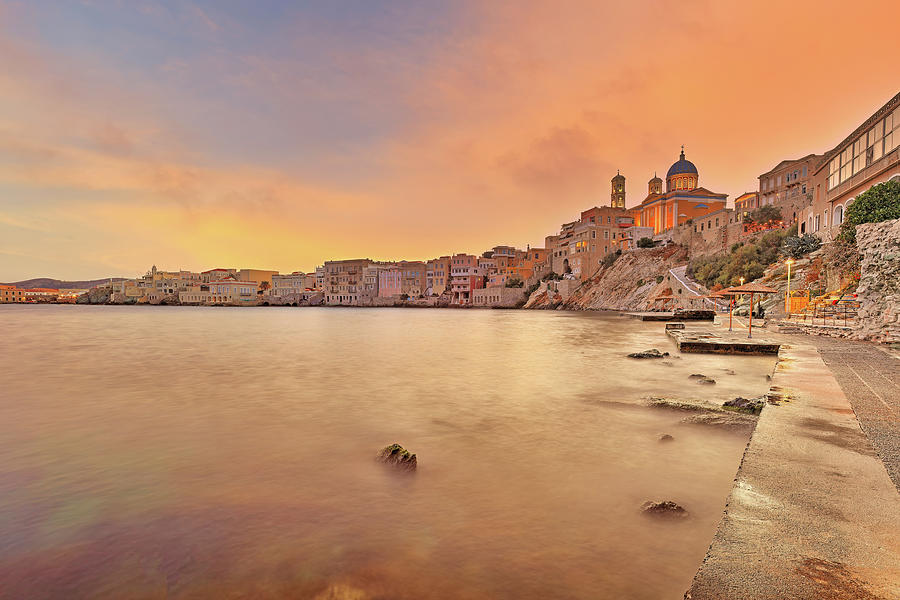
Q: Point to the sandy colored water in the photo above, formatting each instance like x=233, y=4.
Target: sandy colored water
x=177, y=452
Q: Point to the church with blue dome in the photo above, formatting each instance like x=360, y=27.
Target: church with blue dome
x=682, y=201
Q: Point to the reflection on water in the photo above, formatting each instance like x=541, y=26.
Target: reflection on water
x=162, y=452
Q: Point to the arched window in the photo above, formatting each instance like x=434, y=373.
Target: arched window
x=838, y=215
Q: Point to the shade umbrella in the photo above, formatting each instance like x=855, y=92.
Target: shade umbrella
x=752, y=288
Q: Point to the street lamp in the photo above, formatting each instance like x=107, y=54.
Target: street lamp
x=787, y=298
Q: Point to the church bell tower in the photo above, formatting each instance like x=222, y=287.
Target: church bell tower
x=617, y=198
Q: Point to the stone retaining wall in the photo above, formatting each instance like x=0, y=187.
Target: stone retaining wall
x=879, y=283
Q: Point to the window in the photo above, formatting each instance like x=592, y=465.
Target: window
x=817, y=223
x=804, y=170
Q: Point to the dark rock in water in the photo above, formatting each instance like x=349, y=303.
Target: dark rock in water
x=729, y=372
x=706, y=381
x=666, y=508
x=696, y=376
x=744, y=405
x=652, y=353
x=666, y=438
x=397, y=455
x=768, y=378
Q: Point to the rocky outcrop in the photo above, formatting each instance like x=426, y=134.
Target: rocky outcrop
x=651, y=353
x=879, y=283
x=398, y=456
x=665, y=508
x=97, y=295
x=744, y=405
x=634, y=281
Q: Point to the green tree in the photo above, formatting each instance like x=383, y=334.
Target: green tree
x=765, y=214
x=645, y=242
x=515, y=282
x=880, y=203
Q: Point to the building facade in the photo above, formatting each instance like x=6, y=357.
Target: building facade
x=788, y=186
x=683, y=200
x=869, y=155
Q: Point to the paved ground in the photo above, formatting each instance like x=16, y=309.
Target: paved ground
x=813, y=513
x=870, y=378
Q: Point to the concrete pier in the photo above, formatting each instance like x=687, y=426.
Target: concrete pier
x=703, y=340
x=813, y=513
x=678, y=315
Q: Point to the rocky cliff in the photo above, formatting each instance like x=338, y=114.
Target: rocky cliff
x=637, y=280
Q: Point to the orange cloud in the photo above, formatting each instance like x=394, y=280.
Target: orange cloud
x=493, y=130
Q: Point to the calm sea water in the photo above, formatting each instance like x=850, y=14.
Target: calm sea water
x=176, y=452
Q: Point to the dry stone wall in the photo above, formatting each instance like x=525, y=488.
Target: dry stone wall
x=879, y=283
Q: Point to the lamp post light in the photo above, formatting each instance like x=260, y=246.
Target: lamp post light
x=787, y=298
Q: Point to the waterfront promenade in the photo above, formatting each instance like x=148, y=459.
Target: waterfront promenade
x=813, y=513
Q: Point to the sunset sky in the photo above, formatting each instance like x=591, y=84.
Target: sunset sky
x=280, y=134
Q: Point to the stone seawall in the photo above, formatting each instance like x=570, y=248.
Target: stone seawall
x=879, y=283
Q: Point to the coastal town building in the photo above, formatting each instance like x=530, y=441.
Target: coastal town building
x=869, y=155
x=214, y=274
x=222, y=291
x=581, y=245
x=292, y=284
x=745, y=204
x=682, y=201
x=466, y=276
x=11, y=294
x=320, y=277
x=41, y=294
x=788, y=186
x=256, y=276
x=437, y=276
x=631, y=236
x=390, y=280
x=531, y=262
x=344, y=280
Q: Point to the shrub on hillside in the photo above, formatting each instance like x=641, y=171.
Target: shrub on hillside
x=798, y=246
x=610, y=258
x=515, y=282
x=645, y=242
x=880, y=203
x=748, y=261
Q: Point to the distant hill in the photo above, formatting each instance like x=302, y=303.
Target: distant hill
x=46, y=282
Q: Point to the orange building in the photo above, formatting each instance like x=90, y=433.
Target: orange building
x=682, y=201
x=10, y=294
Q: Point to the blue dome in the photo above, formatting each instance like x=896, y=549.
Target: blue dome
x=681, y=167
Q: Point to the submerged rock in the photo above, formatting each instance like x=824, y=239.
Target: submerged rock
x=696, y=376
x=666, y=438
x=744, y=405
x=652, y=353
x=706, y=381
x=666, y=508
x=397, y=455
x=724, y=419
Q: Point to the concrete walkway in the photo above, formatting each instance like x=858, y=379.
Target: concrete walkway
x=870, y=378
x=813, y=513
